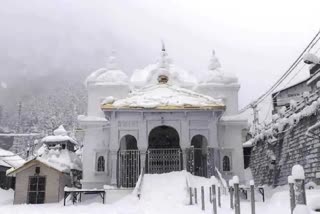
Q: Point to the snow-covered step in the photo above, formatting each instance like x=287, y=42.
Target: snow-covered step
x=170, y=187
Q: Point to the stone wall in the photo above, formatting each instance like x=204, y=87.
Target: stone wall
x=271, y=163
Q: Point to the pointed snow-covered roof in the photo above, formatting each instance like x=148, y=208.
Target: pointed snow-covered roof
x=60, y=135
x=60, y=131
x=216, y=75
x=149, y=74
x=164, y=96
x=110, y=75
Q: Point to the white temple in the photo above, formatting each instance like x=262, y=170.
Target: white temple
x=161, y=119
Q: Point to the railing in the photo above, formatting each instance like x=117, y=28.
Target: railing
x=128, y=168
x=140, y=182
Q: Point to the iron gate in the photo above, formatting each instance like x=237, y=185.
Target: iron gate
x=163, y=160
x=199, y=163
x=128, y=168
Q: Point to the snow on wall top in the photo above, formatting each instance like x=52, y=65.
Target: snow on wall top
x=164, y=96
x=84, y=118
x=149, y=74
x=287, y=119
x=9, y=159
x=110, y=75
x=216, y=75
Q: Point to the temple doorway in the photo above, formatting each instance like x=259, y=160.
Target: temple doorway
x=128, y=162
x=164, y=153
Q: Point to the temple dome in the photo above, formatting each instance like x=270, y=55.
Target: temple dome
x=164, y=66
x=110, y=75
x=215, y=74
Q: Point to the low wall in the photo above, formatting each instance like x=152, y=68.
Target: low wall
x=271, y=163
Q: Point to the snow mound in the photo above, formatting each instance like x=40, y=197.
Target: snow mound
x=298, y=172
x=62, y=160
x=165, y=187
x=164, y=95
x=301, y=209
x=173, y=187
x=6, y=197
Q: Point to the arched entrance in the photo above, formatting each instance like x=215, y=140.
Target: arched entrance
x=200, y=157
x=128, y=162
x=199, y=153
x=164, y=152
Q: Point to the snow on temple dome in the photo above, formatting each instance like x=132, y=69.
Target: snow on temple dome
x=149, y=74
x=164, y=96
x=111, y=75
x=216, y=75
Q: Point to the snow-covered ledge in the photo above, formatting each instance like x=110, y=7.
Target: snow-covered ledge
x=87, y=120
x=238, y=120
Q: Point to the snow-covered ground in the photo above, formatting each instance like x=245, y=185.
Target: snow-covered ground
x=166, y=193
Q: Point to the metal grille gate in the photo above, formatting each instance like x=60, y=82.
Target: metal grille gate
x=128, y=168
x=163, y=160
x=200, y=164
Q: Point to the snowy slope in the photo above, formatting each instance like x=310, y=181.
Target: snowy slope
x=6, y=197
x=161, y=194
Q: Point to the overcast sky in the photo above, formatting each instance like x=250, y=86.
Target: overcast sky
x=256, y=40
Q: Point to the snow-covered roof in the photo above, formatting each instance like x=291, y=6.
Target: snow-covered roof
x=315, y=77
x=290, y=118
x=110, y=75
x=10, y=159
x=215, y=74
x=248, y=144
x=62, y=160
x=149, y=74
x=60, y=135
x=165, y=96
x=59, y=159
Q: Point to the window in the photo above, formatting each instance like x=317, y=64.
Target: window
x=101, y=163
x=226, y=164
x=36, y=190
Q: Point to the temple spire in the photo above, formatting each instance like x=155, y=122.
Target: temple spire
x=112, y=61
x=214, y=63
x=163, y=46
x=164, y=61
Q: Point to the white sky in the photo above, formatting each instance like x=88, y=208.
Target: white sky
x=256, y=40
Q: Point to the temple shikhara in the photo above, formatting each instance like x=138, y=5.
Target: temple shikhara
x=161, y=119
